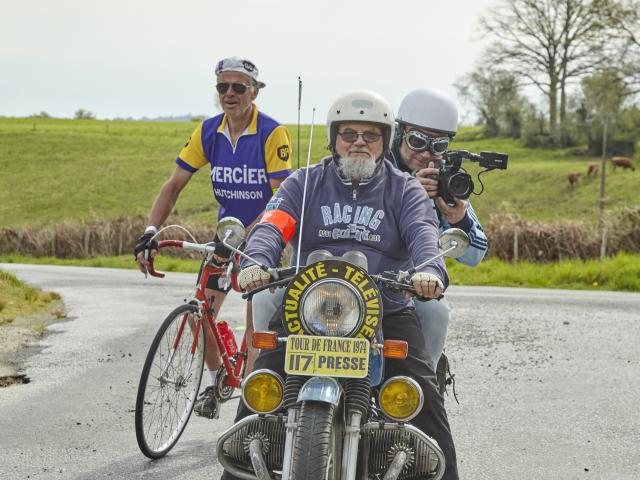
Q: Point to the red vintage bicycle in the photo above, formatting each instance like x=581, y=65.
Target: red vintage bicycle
x=173, y=369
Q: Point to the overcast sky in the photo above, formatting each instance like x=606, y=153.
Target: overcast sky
x=122, y=58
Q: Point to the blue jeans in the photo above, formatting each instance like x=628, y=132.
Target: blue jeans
x=433, y=315
x=434, y=320
x=265, y=304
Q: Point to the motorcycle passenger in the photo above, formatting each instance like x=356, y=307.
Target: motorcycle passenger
x=427, y=122
x=248, y=153
x=356, y=200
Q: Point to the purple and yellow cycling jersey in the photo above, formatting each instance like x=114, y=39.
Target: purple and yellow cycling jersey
x=240, y=174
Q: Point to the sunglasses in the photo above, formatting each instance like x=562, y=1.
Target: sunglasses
x=419, y=142
x=351, y=136
x=238, y=88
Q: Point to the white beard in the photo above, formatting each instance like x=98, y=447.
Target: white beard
x=356, y=169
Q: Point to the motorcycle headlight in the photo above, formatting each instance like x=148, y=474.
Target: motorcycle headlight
x=263, y=391
x=331, y=308
x=401, y=398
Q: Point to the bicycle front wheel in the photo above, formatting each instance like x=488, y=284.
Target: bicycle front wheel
x=169, y=382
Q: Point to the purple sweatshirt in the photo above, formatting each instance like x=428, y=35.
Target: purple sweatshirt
x=388, y=217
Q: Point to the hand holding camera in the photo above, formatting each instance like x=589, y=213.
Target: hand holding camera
x=428, y=177
x=453, y=182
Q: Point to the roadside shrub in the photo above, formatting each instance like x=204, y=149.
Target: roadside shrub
x=541, y=242
x=536, y=241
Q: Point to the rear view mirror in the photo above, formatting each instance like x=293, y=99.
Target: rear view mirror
x=231, y=231
x=453, y=242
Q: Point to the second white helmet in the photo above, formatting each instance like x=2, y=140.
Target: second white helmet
x=429, y=108
x=361, y=106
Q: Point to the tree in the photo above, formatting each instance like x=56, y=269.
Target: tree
x=42, y=114
x=624, y=19
x=548, y=42
x=495, y=95
x=82, y=114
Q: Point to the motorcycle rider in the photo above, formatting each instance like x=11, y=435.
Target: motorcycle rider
x=427, y=122
x=356, y=200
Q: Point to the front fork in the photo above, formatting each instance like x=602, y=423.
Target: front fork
x=174, y=346
x=328, y=390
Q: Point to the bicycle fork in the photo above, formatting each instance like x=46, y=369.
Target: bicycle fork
x=181, y=380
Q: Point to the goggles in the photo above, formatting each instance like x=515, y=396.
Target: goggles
x=419, y=142
x=238, y=88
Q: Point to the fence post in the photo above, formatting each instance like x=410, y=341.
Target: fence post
x=603, y=244
x=87, y=237
x=516, y=233
x=53, y=243
x=119, y=242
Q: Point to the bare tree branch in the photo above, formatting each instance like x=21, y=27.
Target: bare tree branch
x=549, y=42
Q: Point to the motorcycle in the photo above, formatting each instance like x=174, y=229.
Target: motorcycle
x=333, y=417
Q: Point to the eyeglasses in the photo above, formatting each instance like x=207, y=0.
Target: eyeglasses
x=238, y=88
x=351, y=136
x=419, y=142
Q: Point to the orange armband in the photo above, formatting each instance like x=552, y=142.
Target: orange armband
x=284, y=222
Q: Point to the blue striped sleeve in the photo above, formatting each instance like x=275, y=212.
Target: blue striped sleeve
x=184, y=165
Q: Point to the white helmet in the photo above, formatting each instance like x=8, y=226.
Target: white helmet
x=429, y=108
x=361, y=106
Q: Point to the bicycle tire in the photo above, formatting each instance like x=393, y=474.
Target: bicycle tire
x=164, y=403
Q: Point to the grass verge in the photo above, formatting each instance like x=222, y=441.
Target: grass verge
x=25, y=313
x=19, y=299
x=619, y=273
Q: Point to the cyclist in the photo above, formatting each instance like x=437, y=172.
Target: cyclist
x=427, y=122
x=248, y=153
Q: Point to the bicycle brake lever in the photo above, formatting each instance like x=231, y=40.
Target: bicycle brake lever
x=152, y=271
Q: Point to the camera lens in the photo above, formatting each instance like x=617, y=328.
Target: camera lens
x=460, y=185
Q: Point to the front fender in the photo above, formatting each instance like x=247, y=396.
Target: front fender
x=321, y=389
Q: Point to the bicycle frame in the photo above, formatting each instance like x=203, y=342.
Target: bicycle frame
x=234, y=372
x=233, y=363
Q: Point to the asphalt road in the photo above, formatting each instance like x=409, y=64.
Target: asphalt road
x=548, y=383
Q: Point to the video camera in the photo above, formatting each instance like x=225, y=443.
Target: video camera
x=454, y=181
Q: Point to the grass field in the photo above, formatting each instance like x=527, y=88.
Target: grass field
x=57, y=170
x=54, y=170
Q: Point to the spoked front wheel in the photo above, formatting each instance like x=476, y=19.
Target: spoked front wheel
x=169, y=382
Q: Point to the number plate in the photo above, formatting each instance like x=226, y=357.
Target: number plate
x=327, y=356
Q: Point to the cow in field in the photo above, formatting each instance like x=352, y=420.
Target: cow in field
x=592, y=169
x=573, y=178
x=623, y=163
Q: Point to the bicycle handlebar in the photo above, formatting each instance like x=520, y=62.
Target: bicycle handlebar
x=205, y=248
x=388, y=279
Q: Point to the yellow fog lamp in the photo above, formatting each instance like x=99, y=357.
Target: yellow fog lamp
x=401, y=398
x=263, y=391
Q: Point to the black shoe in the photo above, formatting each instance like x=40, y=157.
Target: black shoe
x=207, y=404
